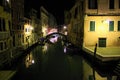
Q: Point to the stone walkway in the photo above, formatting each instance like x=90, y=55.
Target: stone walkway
x=6, y=75
x=105, y=54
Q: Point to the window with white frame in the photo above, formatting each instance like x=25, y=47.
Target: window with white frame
x=92, y=25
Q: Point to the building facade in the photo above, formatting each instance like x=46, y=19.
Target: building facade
x=101, y=23
x=74, y=20
x=17, y=10
x=5, y=32
x=35, y=23
x=44, y=17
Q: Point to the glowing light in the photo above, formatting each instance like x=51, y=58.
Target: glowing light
x=101, y=28
x=7, y=0
x=45, y=48
x=64, y=27
x=65, y=49
x=105, y=21
x=28, y=29
x=65, y=32
x=33, y=61
x=29, y=60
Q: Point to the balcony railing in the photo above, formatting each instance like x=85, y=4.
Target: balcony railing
x=4, y=35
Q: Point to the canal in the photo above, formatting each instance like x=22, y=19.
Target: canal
x=52, y=62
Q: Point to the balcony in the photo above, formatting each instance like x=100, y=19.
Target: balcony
x=4, y=35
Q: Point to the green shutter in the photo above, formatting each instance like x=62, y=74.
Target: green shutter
x=92, y=25
x=118, y=25
x=111, y=26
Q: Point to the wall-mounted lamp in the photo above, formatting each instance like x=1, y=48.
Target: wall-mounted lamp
x=105, y=21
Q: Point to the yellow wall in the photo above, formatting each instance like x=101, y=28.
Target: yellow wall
x=101, y=30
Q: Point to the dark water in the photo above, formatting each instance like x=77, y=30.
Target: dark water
x=50, y=62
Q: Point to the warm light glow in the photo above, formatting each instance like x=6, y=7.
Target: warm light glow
x=29, y=60
x=105, y=21
x=45, y=47
x=7, y=0
x=44, y=30
x=28, y=29
x=64, y=27
x=65, y=32
x=102, y=28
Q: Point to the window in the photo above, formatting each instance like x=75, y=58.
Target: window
x=92, y=4
x=76, y=12
x=111, y=26
x=1, y=46
x=119, y=4
x=92, y=25
x=118, y=25
x=2, y=24
x=111, y=4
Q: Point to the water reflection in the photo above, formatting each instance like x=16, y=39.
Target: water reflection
x=29, y=60
x=91, y=74
x=45, y=48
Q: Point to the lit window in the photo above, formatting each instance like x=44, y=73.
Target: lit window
x=111, y=26
x=92, y=25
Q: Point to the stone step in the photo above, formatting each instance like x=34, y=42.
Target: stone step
x=6, y=75
x=117, y=69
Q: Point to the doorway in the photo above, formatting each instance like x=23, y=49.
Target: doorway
x=102, y=42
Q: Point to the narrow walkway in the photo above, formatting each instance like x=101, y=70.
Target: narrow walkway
x=104, y=54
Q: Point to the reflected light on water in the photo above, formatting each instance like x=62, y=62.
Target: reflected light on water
x=45, y=47
x=29, y=60
x=65, y=49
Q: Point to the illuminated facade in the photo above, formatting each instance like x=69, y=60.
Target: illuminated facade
x=28, y=29
x=102, y=23
x=44, y=20
x=35, y=23
x=5, y=32
x=101, y=20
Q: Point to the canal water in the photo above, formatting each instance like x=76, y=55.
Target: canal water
x=52, y=62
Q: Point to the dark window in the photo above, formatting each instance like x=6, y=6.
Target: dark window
x=111, y=4
x=118, y=25
x=92, y=25
x=111, y=26
x=119, y=4
x=92, y=4
x=3, y=24
x=76, y=12
x=1, y=45
x=5, y=45
x=0, y=24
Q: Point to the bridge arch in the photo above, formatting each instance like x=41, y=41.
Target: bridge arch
x=64, y=36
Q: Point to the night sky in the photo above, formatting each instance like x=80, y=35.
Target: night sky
x=56, y=7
